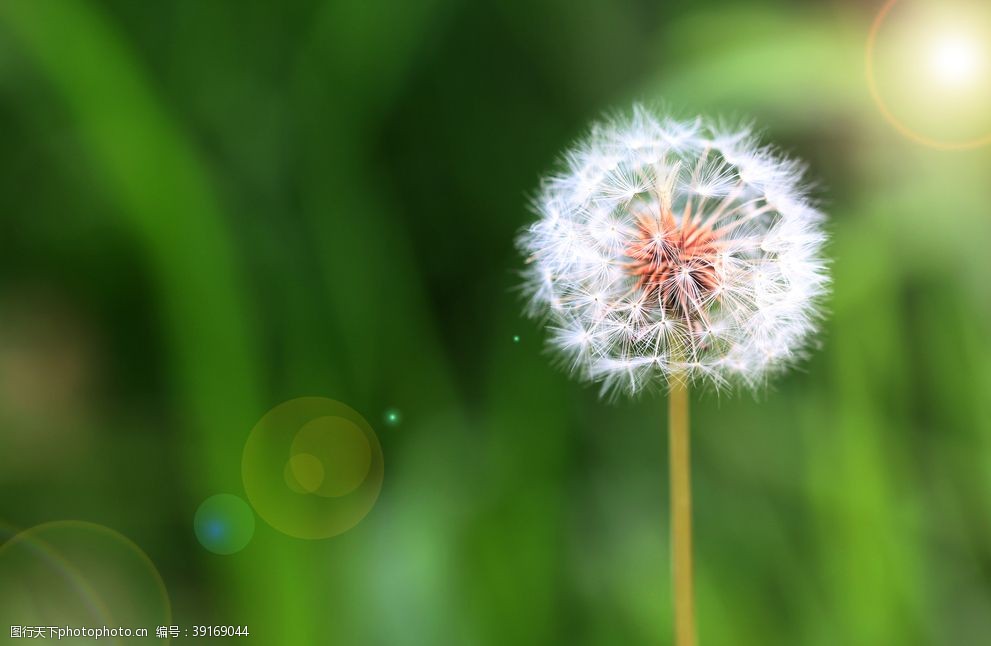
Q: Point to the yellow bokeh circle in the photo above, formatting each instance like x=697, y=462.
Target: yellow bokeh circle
x=304, y=473
x=312, y=467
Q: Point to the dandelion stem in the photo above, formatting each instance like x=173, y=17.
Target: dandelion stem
x=681, y=514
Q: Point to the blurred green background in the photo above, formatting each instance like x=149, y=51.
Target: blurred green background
x=208, y=208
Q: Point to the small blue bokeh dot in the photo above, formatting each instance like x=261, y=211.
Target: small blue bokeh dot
x=224, y=524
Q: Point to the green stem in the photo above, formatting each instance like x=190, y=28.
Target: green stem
x=681, y=515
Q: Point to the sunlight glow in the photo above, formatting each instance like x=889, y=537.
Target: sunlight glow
x=928, y=70
x=955, y=60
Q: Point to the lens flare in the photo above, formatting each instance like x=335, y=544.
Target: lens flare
x=927, y=71
x=75, y=573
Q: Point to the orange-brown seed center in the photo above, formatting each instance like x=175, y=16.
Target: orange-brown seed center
x=676, y=263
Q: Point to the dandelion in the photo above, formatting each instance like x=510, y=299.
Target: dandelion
x=670, y=253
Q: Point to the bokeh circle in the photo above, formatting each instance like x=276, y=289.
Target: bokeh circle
x=224, y=524
x=312, y=467
x=80, y=574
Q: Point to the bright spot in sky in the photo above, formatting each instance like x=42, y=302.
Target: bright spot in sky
x=956, y=60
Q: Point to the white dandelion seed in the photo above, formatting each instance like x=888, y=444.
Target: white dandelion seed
x=675, y=250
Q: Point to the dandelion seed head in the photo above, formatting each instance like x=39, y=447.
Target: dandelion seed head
x=671, y=250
